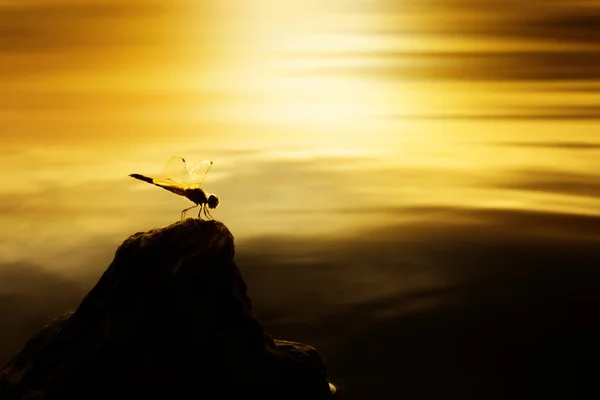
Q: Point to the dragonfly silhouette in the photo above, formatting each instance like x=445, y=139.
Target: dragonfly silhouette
x=187, y=183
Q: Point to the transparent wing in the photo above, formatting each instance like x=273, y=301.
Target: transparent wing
x=198, y=171
x=174, y=171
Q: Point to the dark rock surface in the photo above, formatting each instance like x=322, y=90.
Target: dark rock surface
x=170, y=319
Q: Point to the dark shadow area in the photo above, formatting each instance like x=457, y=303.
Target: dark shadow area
x=30, y=297
x=467, y=304
x=507, y=306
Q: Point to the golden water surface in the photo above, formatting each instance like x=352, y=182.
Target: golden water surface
x=322, y=117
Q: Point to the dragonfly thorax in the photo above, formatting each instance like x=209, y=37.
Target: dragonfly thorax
x=197, y=195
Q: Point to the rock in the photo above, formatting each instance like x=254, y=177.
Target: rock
x=169, y=319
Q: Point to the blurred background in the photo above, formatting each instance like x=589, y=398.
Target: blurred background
x=413, y=185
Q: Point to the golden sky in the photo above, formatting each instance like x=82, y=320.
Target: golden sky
x=311, y=111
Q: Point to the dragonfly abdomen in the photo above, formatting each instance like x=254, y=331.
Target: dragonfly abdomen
x=170, y=188
x=142, y=178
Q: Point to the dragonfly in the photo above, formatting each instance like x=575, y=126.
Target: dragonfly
x=176, y=178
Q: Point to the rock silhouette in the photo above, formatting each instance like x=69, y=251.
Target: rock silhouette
x=169, y=319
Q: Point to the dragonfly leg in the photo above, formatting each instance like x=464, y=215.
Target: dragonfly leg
x=208, y=213
x=186, y=210
x=200, y=211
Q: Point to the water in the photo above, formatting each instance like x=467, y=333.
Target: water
x=397, y=175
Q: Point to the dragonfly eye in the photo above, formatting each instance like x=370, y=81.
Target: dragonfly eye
x=213, y=201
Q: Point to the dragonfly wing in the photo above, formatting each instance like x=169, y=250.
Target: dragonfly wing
x=198, y=171
x=174, y=171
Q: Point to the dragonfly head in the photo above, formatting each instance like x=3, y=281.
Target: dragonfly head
x=212, y=201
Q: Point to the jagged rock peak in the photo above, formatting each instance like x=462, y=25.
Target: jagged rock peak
x=169, y=318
